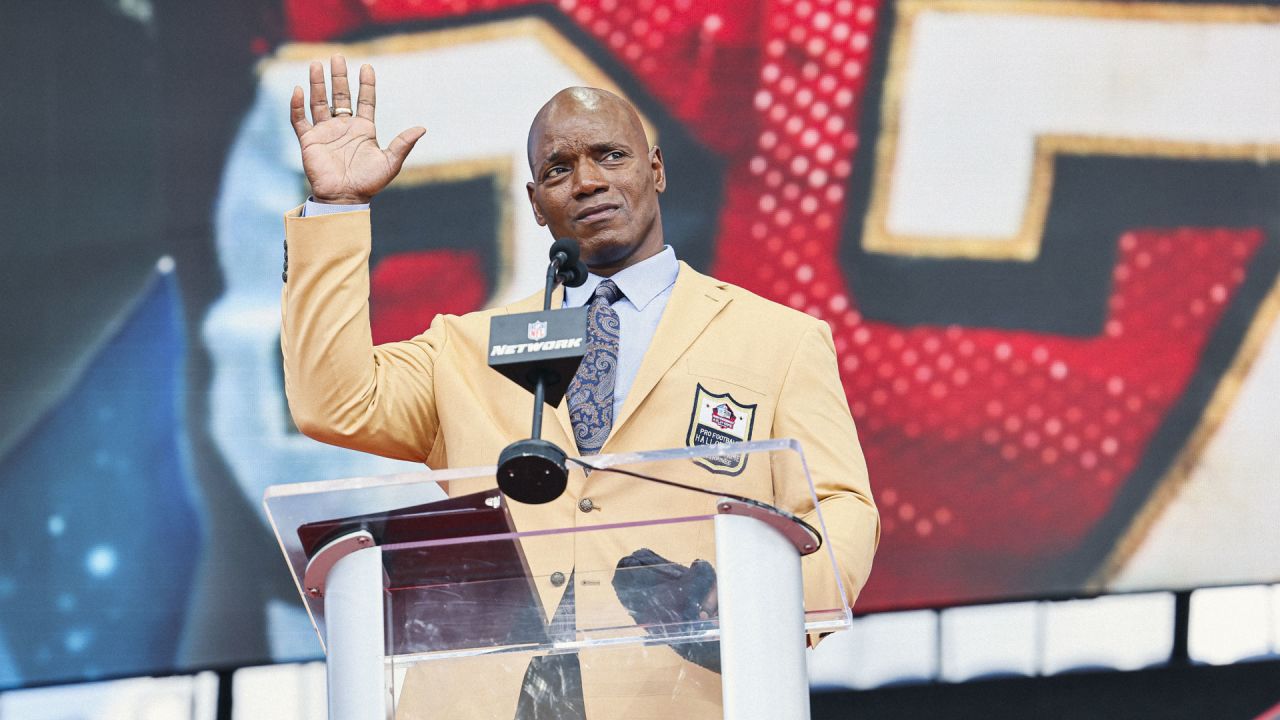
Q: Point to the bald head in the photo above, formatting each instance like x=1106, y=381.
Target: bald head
x=595, y=178
x=574, y=103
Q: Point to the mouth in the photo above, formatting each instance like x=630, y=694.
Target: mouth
x=595, y=213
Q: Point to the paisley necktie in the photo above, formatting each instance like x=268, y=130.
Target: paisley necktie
x=591, y=390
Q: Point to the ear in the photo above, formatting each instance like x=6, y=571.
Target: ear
x=537, y=214
x=659, y=172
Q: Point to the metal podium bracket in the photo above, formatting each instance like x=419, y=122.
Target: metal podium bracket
x=798, y=535
x=318, y=567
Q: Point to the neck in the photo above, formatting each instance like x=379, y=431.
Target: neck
x=640, y=255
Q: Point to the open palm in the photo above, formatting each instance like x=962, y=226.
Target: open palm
x=340, y=152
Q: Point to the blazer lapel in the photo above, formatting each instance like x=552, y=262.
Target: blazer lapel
x=533, y=303
x=695, y=300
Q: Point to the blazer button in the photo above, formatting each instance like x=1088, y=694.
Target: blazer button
x=585, y=505
x=557, y=578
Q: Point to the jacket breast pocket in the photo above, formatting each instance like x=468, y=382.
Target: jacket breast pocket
x=733, y=375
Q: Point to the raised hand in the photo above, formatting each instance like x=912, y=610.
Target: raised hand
x=340, y=152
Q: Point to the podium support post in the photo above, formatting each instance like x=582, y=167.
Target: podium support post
x=356, y=630
x=761, y=608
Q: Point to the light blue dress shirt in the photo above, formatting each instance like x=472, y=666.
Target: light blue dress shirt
x=646, y=288
x=315, y=208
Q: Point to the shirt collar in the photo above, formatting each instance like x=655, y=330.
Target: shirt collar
x=640, y=283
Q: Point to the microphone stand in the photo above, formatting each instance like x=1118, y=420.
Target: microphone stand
x=534, y=470
x=540, y=376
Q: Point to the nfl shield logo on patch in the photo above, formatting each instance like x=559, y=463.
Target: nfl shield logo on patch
x=718, y=419
x=537, y=330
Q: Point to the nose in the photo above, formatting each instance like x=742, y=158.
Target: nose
x=588, y=180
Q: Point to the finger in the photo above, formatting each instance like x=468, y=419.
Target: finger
x=341, y=89
x=368, y=97
x=319, y=94
x=400, y=146
x=297, y=114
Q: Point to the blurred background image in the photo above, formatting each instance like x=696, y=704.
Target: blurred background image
x=1046, y=236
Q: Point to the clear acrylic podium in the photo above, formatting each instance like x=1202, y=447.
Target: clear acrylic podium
x=434, y=596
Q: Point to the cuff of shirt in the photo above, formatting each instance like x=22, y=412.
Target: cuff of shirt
x=313, y=208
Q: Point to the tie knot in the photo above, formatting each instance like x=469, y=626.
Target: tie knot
x=608, y=291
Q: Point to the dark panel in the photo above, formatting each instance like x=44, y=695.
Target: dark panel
x=1234, y=692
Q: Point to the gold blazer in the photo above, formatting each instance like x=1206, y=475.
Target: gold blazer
x=433, y=399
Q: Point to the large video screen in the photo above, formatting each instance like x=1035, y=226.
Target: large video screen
x=1046, y=237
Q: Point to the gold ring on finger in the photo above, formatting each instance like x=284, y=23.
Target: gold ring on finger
x=339, y=111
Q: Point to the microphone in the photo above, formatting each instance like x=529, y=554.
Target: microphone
x=574, y=275
x=564, y=251
x=540, y=351
x=570, y=270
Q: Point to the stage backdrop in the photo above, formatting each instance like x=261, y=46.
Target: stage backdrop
x=1046, y=236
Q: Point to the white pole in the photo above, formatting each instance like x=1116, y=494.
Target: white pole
x=355, y=628
x=761, y=606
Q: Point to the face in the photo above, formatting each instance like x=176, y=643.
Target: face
x=596, y=180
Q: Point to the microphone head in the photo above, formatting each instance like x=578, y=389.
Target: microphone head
x=573, y=275
x=569, y=247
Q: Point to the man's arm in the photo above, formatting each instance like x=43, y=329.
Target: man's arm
x=341, y=389
x=813, y=409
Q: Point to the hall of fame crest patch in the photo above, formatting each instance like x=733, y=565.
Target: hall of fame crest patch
x=718, y=419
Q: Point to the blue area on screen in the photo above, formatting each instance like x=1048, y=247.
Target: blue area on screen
x=8, y=668
x=101, y=535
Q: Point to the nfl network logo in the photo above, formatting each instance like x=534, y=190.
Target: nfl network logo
x=537, y=330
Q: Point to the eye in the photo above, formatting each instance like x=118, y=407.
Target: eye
x=555, y=170
x=615, y=155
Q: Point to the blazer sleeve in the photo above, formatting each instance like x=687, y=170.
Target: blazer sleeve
x=812, y=408
x=341, y=389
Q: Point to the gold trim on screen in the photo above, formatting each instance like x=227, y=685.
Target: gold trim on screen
x=1024, y=245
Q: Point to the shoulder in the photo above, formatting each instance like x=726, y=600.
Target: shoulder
x=748, y=307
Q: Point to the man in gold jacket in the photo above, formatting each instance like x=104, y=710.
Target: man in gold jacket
x=694, y=340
